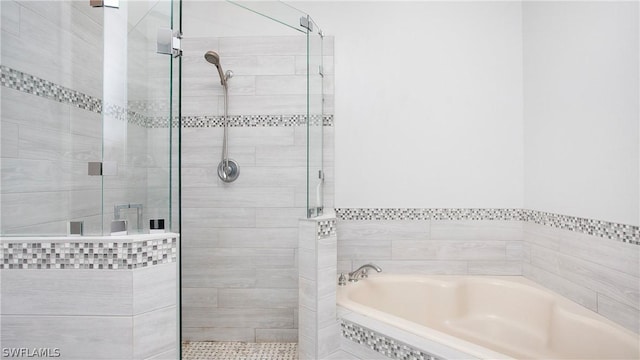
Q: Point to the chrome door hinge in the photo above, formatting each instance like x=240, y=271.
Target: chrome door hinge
x=169, y=42
x=102, y=168
x=105, y=3
x=321, y=70
x=306, y=23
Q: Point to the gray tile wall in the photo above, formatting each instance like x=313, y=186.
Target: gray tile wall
x=319, y=330
x=240, y=240
x=44, y=173
x=600, y=274
x=91, y=314
x=453, y=247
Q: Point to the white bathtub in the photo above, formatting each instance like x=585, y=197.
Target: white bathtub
x=490, y=317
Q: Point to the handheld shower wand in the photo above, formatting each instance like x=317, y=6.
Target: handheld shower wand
x=214, y=58
x=228, y=169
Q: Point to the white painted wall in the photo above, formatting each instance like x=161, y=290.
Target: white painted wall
x=428, y=102
x=581, y=109
x=481, y=104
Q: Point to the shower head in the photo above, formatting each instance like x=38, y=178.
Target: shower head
x=214, y=58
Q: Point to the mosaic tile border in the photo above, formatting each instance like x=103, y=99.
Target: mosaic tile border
x=605, y=229
x=206, y=121
x=136, y=109
x=428, y=214
x=34, y=85
x=87, y=255
x=326, y=228
x=382, y=344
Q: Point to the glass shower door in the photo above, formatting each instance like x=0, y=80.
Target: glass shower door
x=315, y=117
x=84, y=85
x=284, y=14
x=137, y=118
x=51, y=61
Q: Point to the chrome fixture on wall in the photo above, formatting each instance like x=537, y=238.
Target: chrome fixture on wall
x=138, y=207
x=228, y=169
x=361, y=272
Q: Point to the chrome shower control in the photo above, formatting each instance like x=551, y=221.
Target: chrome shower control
x=228, y=170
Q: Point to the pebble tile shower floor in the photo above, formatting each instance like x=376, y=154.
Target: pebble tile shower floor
x=208, y=350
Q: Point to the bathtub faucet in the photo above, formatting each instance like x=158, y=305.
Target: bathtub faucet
x=361, y=272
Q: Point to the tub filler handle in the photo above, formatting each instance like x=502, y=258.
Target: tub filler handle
x=342, y=280
x=361, y=272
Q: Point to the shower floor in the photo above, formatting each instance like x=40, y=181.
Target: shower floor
x=209, y=350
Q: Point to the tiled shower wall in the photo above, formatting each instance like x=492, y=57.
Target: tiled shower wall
x=594, y=263
x=46, y=143
x=239, y=240
x=55, y=118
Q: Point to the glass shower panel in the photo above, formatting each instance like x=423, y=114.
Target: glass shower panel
x=281, y=13
x=137, y=117
x=315, y=114
x=175, y=133
x=51, y=60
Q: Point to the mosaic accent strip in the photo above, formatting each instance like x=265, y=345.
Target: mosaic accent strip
x=386, y=346
x=326, y=228
x=428, y=214
x=157, y=122
x=198, y=121
x=144, y=113
x=30, y=84
x=87, y=255
x=605, y=229
x=34, y=85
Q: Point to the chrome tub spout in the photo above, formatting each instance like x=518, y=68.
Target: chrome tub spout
x=361, y=272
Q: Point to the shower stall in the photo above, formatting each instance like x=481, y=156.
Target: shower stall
x=271, y=120
x=118, y=238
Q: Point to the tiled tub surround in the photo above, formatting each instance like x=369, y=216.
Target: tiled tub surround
x=127, y=311
x=600, y=271
x=360, y=342
x=240, y=240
